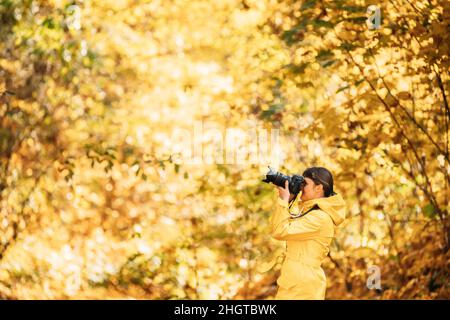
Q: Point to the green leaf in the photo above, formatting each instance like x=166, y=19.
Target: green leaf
x=357, y=83
x=297, y=68
x=289, y=36
x=324, y=55
x=359, y=20
x=347, y=46
x=342, y=88
x=429, y=211
x=49, y=23
x=273, y=108
x=329, y=63
x=353, y=8
x=308, y=4
x=323, y=23
x=394, y=257
x=6, y=3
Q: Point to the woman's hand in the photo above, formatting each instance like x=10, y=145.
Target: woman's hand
x=284, y=192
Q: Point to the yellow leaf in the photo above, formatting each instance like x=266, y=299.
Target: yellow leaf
x=404, y=95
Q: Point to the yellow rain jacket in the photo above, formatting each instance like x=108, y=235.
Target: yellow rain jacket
x=308, y=240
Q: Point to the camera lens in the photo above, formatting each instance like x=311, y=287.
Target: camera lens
x=296, y=182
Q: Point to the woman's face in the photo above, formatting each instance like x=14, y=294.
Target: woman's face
x=311, y=190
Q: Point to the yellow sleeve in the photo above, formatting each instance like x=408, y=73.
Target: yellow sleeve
x=285, y=228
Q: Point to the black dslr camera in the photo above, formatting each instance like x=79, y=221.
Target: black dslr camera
x=296, y=182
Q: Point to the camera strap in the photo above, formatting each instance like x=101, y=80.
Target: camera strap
x=315, y=207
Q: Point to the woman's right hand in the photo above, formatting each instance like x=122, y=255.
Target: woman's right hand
x=283, y=193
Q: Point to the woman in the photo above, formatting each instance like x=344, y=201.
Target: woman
x=308, y=235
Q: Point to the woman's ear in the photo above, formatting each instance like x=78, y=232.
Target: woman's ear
x=320, y=188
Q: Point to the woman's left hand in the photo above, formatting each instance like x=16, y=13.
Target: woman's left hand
x=284, y=192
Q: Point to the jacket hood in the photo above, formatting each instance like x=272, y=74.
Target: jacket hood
x=334, y=206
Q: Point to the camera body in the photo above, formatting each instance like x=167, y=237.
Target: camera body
x=295, y=182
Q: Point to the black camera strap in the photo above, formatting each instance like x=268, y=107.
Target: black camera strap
x=315, y=207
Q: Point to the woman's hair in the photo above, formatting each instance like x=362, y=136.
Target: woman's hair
x=321, y=176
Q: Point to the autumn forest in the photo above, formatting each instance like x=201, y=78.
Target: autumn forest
x=134, y=135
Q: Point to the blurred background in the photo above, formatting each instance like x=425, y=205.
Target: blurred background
x=100, y=105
